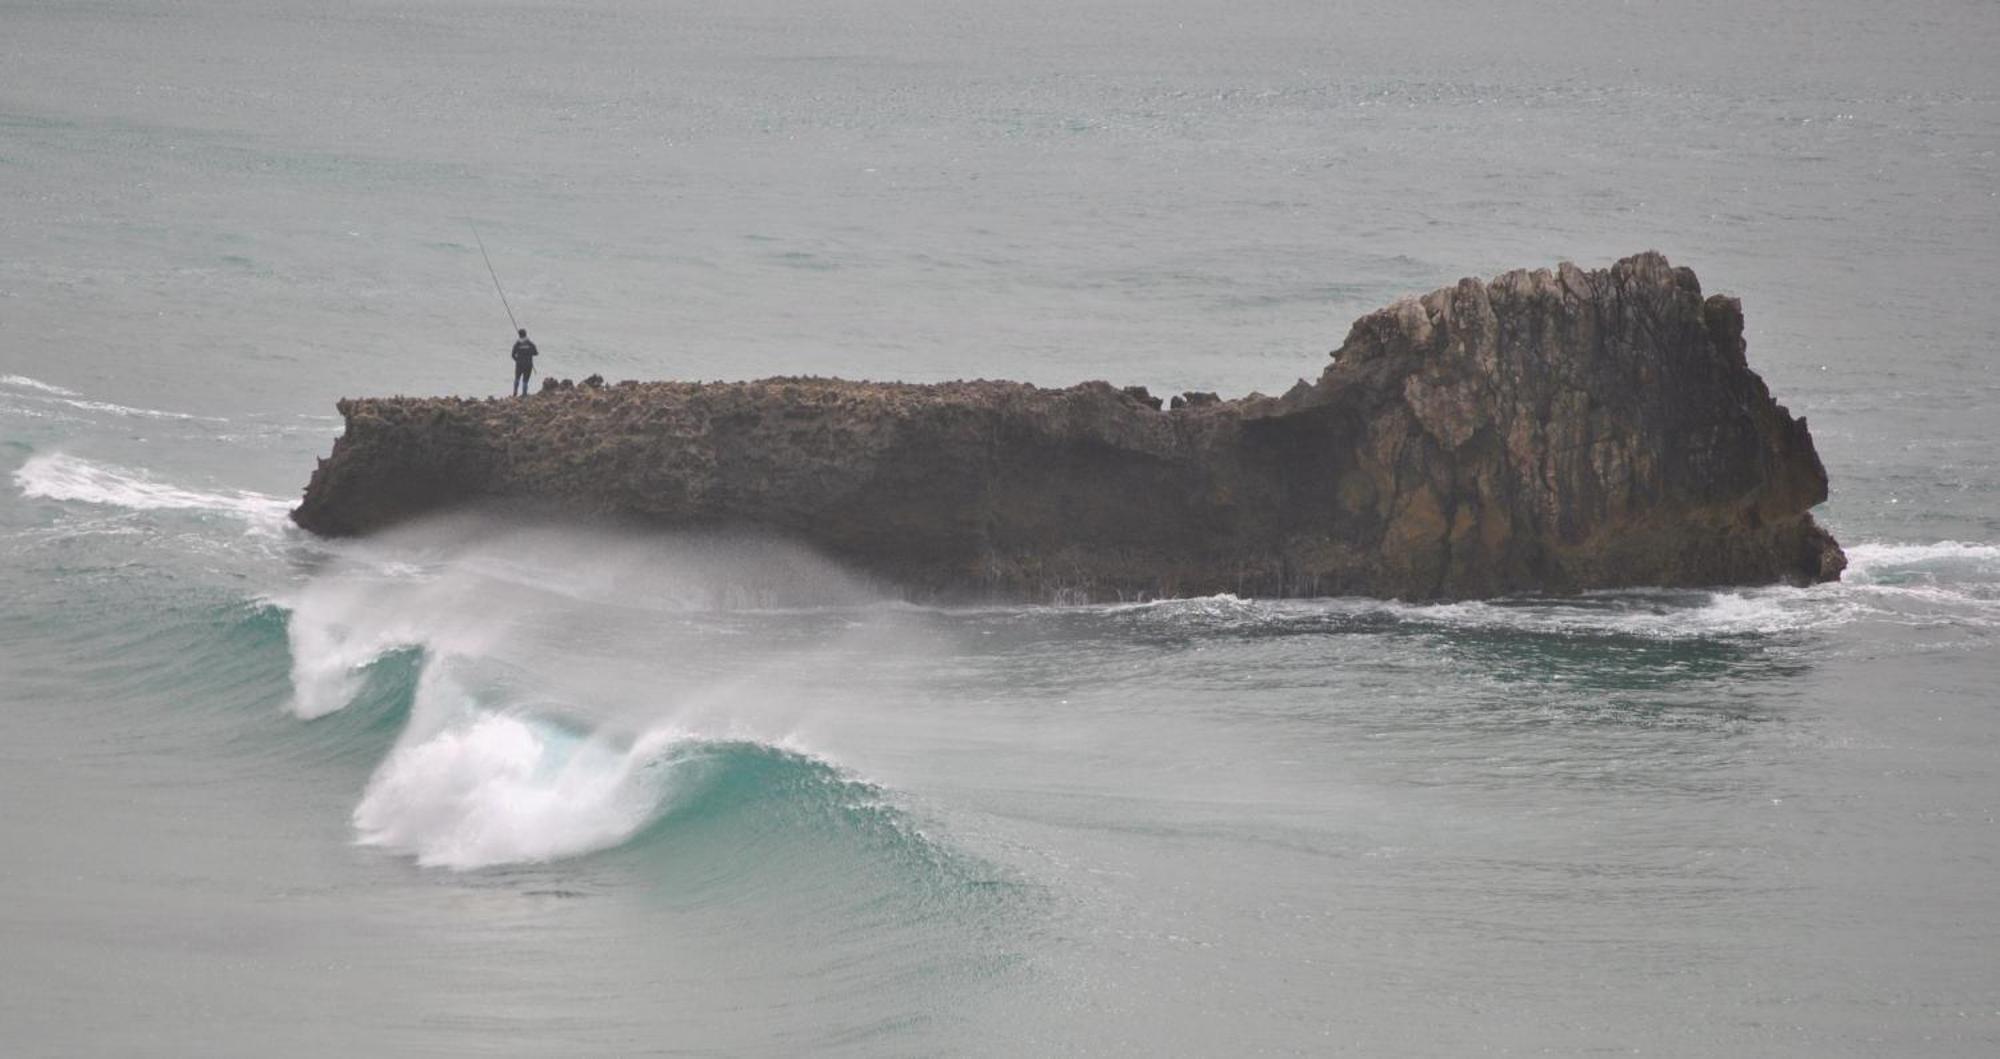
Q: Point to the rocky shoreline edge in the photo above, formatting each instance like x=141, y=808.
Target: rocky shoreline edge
x=1545, y=431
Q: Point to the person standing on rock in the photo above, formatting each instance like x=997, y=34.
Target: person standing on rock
x=524, y=363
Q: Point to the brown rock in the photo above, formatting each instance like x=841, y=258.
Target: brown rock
x=1143, y=396
x=1542, y=432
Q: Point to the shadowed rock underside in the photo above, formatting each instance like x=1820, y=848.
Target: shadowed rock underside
x=1547, y=431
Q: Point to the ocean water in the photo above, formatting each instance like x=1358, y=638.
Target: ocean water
x=485, y=788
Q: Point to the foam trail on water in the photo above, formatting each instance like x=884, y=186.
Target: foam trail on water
x=49, y=393
x=1953, y=581
x=22, y=382
x=1866, y=560
x=128, y=410
x=50, y=396
x=57, y=476
x=1733, y=613
x=1660, y=615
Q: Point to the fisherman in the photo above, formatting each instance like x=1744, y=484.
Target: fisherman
x=524, y=363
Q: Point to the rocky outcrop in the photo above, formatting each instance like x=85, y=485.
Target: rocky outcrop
x=1547, y=431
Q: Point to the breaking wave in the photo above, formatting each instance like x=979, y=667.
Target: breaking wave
x=553, y=715
x=562, y=692
x=515, y=788
x=509, y=788
x=500, y=789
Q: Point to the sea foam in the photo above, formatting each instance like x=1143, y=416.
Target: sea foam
x=59, y=476
x=495, y=788
x=1869, y=559
x=49, y=393
x=22, y=382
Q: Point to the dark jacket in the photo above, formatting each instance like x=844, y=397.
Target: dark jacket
x=524, y=355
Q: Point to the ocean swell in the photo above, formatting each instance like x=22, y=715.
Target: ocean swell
x=545, y=721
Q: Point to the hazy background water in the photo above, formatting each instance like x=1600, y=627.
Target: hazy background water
x=483, y=788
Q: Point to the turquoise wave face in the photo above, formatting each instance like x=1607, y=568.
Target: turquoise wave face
x=498, y=789
x=510, y=788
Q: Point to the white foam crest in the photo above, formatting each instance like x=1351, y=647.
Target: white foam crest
x=1220, y=603
x=338, y=626
x=22, y=382
x=1761, y=611
x=54, y=415
x=329, y=660
x=1648, y=614
x=1865, y=561
x=470, y=787
x=1224, y=610
x=474, y=589
x=522, y=627
x=81, y=404
x=58, y=476
x=496, y=788
x=141, y=413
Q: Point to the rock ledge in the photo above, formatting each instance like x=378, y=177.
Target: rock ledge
x=1546, y=431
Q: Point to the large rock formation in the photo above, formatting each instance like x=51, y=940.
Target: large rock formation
x=1548, y=431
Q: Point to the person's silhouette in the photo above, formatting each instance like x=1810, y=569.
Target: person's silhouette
x=524, y=363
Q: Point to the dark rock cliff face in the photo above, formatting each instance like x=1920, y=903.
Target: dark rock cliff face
x=1548, y=431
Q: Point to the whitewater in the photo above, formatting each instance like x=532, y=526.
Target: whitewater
x=517, y=787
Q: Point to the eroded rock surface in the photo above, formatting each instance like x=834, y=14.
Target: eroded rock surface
x=1547, y=431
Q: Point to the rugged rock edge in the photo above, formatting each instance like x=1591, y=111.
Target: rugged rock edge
x=1545, y=431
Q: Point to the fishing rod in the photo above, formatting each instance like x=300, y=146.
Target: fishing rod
x=495, y=275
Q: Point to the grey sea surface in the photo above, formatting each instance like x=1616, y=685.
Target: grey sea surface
x=485, y=788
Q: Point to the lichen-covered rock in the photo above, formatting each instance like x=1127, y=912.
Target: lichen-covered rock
x=1548, y=431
